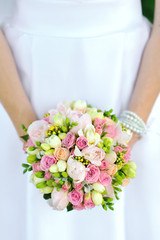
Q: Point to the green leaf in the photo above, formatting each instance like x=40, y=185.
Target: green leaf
x=118, y=189
x=25, y=165
x=108, y=199
x=69, y=207
x=105, y=192
x=23, y=127
x=24, y=171
x=104, y=207
x=30, y=168
x=47, y=196
x=111, y=208
x=25, y=137
x=67, y=121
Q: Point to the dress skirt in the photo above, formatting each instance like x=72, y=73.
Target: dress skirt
x=70, y=50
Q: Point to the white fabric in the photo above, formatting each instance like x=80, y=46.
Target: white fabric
x=71, y=49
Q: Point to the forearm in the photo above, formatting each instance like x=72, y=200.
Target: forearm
x=147, y=84
x=12, y=94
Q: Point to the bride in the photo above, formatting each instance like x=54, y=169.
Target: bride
x=107, y=53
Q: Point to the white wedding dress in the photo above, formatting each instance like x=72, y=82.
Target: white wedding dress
x=78, y=49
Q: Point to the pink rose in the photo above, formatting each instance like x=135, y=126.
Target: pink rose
x=82, y=142
x=27, y=144
x=127, y=154
x=112, y=169
x=83, y=121
x=75, y=197
x=66, y=186
x=104, y=165
x=111, y=131
x=118, y=149
x=69, y=140
x=61, y=153
x=47, y=119
x=93, y=173
x=88, y=202
x=99, y=122
x=109, y=121
x=104, y=178
x=94, y=154
x=99, y=130
x=36, y=167
x=59, y=199
x=79, y=207
x=47, y=161
x=37, y=129
x=78, y=186
x=47, y=175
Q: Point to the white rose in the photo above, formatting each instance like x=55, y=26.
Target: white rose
x=54, y=141
x=76, y=170
x=62, y=165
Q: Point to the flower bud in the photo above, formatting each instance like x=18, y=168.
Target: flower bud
x=45, y=146
x=62, y=135
x=53, y=168
x=49, y=152
x=31, y=159
x=32, y=150
x=62, y=165
x=97, y=198
x=98, y=187
x=35, y=180
x=79, y=105
x=46, y=189
x=54, y=141
x=58, y=119
x=130, y=169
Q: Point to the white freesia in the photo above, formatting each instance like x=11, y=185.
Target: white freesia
x=77, y=152
x=80, y=133
x=35, y=180
x=53, y=141
x=97, y=197
x=98, y=187
x=92, y=136
x=34, y=152
x=79, y=105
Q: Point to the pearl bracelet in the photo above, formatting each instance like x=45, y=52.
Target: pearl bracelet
x=133, y=122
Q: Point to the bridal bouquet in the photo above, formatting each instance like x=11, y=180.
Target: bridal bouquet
x=79, y=156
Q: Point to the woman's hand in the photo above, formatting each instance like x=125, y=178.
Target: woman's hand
x=133, y=140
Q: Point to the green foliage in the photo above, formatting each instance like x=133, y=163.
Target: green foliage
x=148, y=9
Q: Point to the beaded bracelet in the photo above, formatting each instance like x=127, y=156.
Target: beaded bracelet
x=133, y=122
